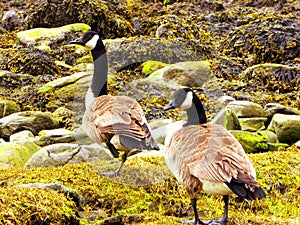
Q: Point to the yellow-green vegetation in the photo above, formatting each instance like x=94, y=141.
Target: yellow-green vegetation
x=160, y=203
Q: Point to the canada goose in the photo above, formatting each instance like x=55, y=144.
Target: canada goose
x=117, y=122
x=207, y=157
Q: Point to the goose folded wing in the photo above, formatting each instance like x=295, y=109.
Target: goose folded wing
x=120, y=117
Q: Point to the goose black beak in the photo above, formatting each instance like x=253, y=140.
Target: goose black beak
x=77, y=42
x=170, y=106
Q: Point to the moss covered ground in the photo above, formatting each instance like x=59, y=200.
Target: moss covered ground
x=158, y=201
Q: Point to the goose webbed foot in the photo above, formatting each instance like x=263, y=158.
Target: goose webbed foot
x=221, y=221
x=196, y=222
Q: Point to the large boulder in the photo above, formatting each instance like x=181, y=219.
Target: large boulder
x=286, y=127
x=34, y=121
x=246, y=109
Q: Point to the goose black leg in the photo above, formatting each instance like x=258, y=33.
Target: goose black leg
x=197, y=220
x=117, y=171
x=113, y=150
x=224, y=219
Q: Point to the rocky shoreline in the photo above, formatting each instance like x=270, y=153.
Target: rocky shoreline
x=242, y=59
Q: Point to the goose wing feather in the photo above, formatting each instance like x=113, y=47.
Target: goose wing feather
x=118, y=115
x=210, y=152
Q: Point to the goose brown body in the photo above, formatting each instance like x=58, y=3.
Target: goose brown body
x=206, y=157
x=117, y=115
x=117, y=122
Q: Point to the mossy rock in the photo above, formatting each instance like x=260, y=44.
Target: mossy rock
x=251, y=142
x=8, y=107
x=17, y=153
x=151, y=66
x=43, y=36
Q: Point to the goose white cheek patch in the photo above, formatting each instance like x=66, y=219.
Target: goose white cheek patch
x=187, y=103
x=91, y=44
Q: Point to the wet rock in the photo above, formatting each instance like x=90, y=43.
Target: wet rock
x=34, y=121
x=17, y=153
x=246, y=109
x=74, y=195
x=286, y=127
x=8, y=107
x=228, y=119
x=63, y=153
x=49, y=137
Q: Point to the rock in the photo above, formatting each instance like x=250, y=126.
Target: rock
x=298, y=144
x=75, y=196
x=24, y=135
x=286, y=127
x=5, y=165
x=272, y=108
x=45, y=36
x=190, y=74
x=253, y=124
x=12, y=20
x=8, y=107
x=64, y=81
x=270, y=136
x=255, y=142
x=246, y=109
x=17, y=153
x=159, y=123
x=48, y=137
x=64, y=153
x=227, y=119
x=64, y=117
x=34, y=121
x=151, y=66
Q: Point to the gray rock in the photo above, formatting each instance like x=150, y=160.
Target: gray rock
x=190, y=74
x=25, y=135
x=48, y=137
x=272, y=108
x=298, y=144
x=75, y=196
x=270, y=136
x=253, y=124
x=34, y=121
x=64, y=153
x=246, y=109
x=159, y=134
x=286, y=127
x=227, y=119
x=8, y=107
x=17, y=153
x=5, y=165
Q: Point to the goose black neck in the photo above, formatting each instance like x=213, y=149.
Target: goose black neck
x=99, y=81
x=196, y=114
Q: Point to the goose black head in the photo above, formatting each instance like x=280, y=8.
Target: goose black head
x=89, y=40
x=182, y=99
